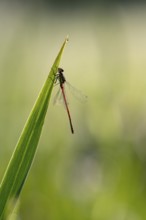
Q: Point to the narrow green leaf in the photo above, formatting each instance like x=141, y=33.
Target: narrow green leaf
x=25, y=149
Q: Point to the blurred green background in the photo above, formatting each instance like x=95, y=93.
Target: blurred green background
x=99, y=172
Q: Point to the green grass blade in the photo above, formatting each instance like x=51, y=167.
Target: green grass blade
x=25, y=149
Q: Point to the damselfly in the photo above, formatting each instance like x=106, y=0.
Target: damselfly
x=61, y=79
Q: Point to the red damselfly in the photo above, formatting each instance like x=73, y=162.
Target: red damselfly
x=61, y=79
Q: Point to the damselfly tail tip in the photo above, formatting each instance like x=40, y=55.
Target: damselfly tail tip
x=72, y=130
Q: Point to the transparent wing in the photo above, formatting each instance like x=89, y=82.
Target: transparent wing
x=58, y=98
x=77, y=93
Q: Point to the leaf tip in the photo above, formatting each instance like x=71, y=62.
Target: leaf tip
x=67, y=39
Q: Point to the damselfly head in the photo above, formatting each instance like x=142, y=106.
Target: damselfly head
x=60, y=70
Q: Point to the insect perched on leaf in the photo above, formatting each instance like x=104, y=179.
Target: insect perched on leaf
x=61, y=96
